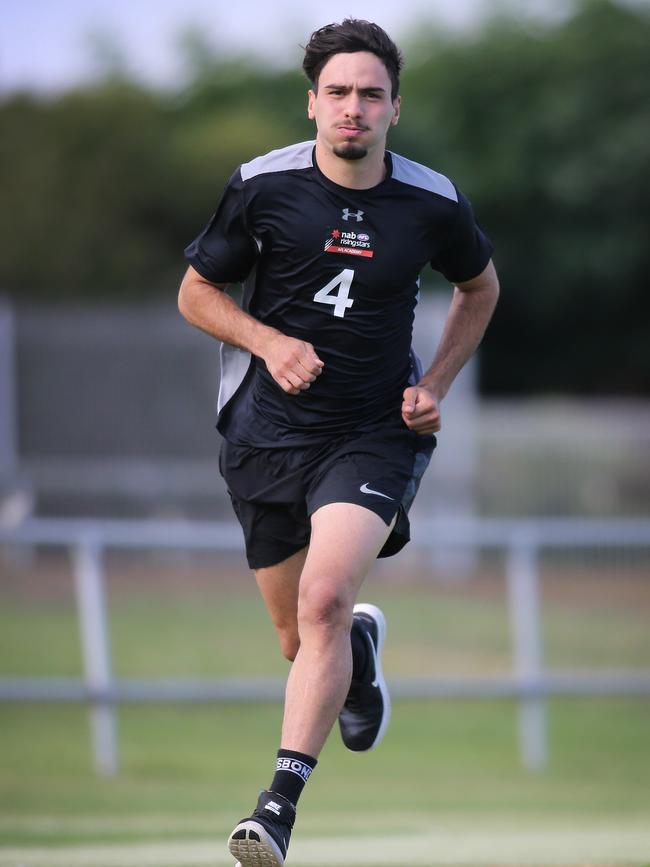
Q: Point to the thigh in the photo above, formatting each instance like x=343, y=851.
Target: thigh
x=345, y=541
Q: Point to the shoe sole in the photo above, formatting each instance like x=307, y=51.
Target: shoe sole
x=256, y=848
x=378, y=616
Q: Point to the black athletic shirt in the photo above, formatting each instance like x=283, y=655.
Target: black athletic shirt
x=336, y=267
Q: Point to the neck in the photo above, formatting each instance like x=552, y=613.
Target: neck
x=354, y=174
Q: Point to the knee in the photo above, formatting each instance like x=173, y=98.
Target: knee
x=324, y=609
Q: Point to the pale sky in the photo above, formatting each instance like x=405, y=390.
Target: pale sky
x=46, y=45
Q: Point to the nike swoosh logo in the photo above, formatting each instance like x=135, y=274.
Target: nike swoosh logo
x=366, y=490
x=373, y=653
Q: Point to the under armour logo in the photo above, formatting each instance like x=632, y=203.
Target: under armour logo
x=352, y=215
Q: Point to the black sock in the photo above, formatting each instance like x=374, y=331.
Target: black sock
x=359, y=651
x=292, y=770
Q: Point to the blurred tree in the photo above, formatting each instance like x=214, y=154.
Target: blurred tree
x=548, y=129
x=546, y=126
x=90, y=195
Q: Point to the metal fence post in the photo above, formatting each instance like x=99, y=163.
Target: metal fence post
x=91, y=604
x=8, y=433
x=523, y=592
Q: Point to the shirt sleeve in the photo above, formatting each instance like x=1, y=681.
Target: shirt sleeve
x=226, y=250
x=467, y=250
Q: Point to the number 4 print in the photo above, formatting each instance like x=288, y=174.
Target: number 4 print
x=341, y=301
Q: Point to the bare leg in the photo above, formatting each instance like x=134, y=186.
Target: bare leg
x=279, y=588
x=345, y=540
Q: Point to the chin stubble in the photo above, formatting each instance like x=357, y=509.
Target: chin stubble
x=350, y=151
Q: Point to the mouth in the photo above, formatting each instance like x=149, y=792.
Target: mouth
x=351, y=131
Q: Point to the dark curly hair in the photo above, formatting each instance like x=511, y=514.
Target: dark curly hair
x=353, y=34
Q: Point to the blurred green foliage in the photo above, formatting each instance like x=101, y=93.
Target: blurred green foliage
x=545, y=126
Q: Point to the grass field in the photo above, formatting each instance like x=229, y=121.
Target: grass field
x=445, y=787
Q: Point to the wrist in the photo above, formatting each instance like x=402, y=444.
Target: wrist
x=262, y=339
x=433, y=387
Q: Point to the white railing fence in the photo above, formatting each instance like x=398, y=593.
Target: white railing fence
x=529, y=683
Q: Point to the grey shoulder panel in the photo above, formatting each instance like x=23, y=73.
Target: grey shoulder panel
x=417, y=175
x=297, y=156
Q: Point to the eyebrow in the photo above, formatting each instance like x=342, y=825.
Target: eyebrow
x=371, y=89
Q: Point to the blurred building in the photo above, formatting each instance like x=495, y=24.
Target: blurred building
x=110, y=412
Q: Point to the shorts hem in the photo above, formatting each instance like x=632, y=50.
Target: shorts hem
x=265, y=560
x=314, y=508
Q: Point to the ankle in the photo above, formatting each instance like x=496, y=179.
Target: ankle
x=292, y=770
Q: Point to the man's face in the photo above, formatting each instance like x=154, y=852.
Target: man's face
x=353, y=108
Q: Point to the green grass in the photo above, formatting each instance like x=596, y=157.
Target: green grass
x=203, y=617
x=200, y=767
x=188, y=772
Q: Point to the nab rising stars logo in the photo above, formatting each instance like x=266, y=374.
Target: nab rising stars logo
x=348, y=242
x=352, y=243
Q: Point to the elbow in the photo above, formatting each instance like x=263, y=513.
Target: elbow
x=496, y=289
x=184, y=301
x=490, y=284
x=196, y=298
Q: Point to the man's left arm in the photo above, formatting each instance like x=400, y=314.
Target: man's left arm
x=470, y=311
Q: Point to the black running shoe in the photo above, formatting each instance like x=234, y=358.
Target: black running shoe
x=366, y=712
x=263, y=839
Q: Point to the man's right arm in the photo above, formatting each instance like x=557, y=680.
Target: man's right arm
x=292, y=363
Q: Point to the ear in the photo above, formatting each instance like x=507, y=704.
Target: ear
x=397, y=106
x=311, y=98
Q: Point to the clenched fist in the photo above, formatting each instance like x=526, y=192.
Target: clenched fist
x=420, y=410
x=292, y=363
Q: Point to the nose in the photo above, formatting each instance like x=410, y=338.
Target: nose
x=353, y=105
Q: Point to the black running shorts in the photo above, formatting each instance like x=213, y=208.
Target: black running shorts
x=274, y=491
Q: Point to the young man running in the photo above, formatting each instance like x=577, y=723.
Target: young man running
x=327, y=418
